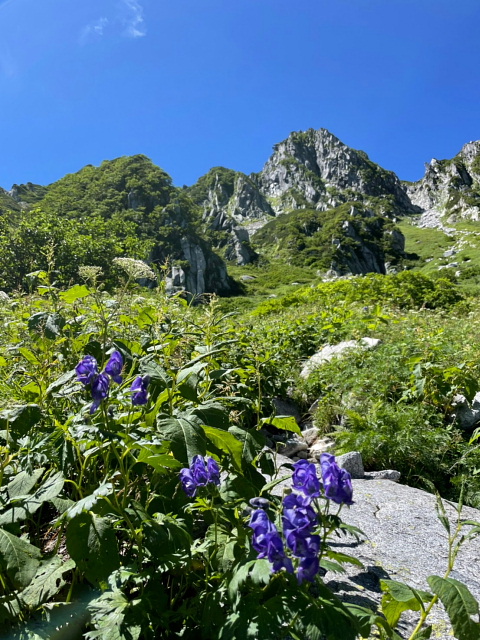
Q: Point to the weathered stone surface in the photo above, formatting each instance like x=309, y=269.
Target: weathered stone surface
x=353, y=463
x=291, y=447
x=385, y=474
x=404, y=541
x=320, y=446
x=331, y=351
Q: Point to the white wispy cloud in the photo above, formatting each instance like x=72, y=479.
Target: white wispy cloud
x=134, y=21
x=93, y=30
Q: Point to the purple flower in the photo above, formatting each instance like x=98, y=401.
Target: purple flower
x=267, y=541
x=87, y=370
x=299, y=521
x=336, y=481
x=139, y=390
x=200, y=473
x=100, y=388
x=259, y=503
x=188, y=482
x=308, y=569
x=114, y=367
x=305, y=478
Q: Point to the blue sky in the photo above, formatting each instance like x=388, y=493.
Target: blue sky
x=198, y=83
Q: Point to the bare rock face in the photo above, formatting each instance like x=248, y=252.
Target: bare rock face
x=309, y=170
x=404, y=541
x=320, y=167
x=450, y=188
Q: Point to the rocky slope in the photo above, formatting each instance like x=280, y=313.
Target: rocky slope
x=310, y=170
x=450, y=189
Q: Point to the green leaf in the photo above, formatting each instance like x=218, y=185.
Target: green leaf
x=28, y=355
x=64, y=380
x=88, y=502
x=343, y=558
x=399, y=597
x=75, y=293
x=187, y=438
x=226, y=442
x=159, y=461
x=285, y=423
x=31, y=503
x=19, y=560
x=261, y=572
x=459, y=604
x=49, y=324
x=48, y=581
x=92, y=544
x=212, y=414
x=23, y=483
x=252, y=442
x=20, y=419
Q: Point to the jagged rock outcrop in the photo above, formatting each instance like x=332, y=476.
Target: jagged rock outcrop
x=309, y=170
x=27, y=194
x=7, y=203
x=450, y=189
x=316, y=168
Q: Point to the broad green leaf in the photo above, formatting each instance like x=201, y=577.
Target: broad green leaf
x=27, y=505
x=459, y=604
x=92, y=544
x=23, y=483
x=88, y=502
x=19, y=560
x=68, y=379
x=343, y=557
x=159, y=461
x=213, y=414
x=252, y=442
x=285, y=423
x=20, y=419
x=187, y=438
x=226, y=442
x=28, y=355
x=76, y=292
x=48, y=581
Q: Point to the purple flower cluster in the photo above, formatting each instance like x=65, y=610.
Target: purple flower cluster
x=267, y=542
x=299, y=520
x=337, y=482
x=201, y=472
x=139, y=390
x=87, y=374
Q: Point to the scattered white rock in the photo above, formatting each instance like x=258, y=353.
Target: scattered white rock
x=465, y=414
x=322, y=445
x=330, y=351
x=4, y=297
x=310, y=435
x=291, y=447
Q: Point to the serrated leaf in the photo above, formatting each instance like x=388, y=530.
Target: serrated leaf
x=48, y=581
x=213, y=414
x=159, y=461
x=19, y=560
x=459, y=604
x=186, y=437
x=31, y=503
x=61, y=382
x=23, y=483
x=261, y=572
x=92, y=544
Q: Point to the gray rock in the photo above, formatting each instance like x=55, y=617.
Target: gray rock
x=4, y=297
x=404, y=541
x=330, y=351
x=310, y=435
x=246, y=278
x=322, y=445
x=385, y=474
x=353, y=463
x=291, y=447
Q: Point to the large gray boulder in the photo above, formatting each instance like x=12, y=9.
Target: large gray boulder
x=404, y=541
